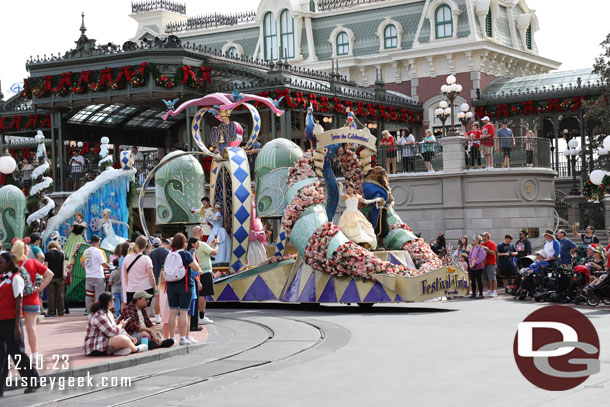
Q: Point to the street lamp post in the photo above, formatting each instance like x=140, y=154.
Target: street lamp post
x=443, y=112
x=572, y=154
x=464, y=115
x=451, y=91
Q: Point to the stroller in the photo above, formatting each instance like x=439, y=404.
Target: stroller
x=600, y=293
x=525, y=283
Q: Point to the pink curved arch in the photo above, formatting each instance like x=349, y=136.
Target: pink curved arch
x=225, y=102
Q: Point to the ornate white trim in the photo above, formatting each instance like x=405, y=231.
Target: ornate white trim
x=523, y=22
x=229, y=44
x=482, y=9
x=333, y=40
x=380, y=33
x=431, y=16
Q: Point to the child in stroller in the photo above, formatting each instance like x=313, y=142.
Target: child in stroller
x=525, y=282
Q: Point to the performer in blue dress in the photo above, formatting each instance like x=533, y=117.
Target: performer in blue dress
x=219, y=232
x=376, y=185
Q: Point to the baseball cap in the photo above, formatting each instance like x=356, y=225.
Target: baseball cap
x=505, y=121
x=485, y=118
x=141, y=294
x=540, y=252
x=156, y=242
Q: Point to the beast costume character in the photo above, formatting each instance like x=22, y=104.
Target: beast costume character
x=376, y=185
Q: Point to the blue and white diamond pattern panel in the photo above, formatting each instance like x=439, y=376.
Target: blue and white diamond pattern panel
x=256, y=125
x=239, y=169
x=280, y=243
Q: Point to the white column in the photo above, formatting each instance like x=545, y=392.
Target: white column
x=311, y=46
x=298, y=29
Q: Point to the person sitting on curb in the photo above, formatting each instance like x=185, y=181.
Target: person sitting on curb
x=104, y=336
x=138, y=323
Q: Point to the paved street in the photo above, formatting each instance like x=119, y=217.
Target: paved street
x=428, y=354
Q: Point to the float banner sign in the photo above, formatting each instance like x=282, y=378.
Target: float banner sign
x=345, y=135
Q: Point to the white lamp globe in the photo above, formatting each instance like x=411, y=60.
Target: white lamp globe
x=80, y=144
x=445, y=89
x=573, y=143
x=464, y=107
x=447, y=111
x=453, y=87
x=606, y=143
x=7, y=164
x=469, y=115
x=438, y=112
x=451, y=80
x=105, y=140
x=567, y=153
x=459, y=87
x=73, y=143
x=443, y=104
x=461, y=115
x=577, y=151
x=597, y=176
x=602, y=151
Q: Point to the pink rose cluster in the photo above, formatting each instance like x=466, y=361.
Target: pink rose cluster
x=303, y=168
x=353, y=260
x=422, y=255
x=351, y=168
x=307, y=196
x=400, y=226
x=316, y=250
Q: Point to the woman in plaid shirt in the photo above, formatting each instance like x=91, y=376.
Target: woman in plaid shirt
x=104, y=336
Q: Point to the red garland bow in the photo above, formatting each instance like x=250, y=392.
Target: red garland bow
x=12, y=152
x=105, y=76
x=85, y=148
x=286, y=94
x=403, y=115
x=47, y=121
x=46, y=86
x=361, y=109
x=324, y=101
x=205, y=74
x=16, y=122
x=263, y=95
x=502, y=110
x=577, y=100
x=382, y=112
x=140, y=70
x=124, y=71
x=84, y=77
x=372, y=111
x=27, y=153
x=393, y=113
x=313, y=101
x=186, y=73
x=479, y=112
x=32, y=121
x=554, y=104
x=300, y=99
x=65, y=80
x=528, y=107
x=2, y=123
x=338, y=105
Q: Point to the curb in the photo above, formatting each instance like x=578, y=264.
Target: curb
x=123, y=363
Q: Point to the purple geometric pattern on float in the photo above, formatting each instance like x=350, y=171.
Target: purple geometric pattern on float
x=329, y=294
x=309, y=292
x=292, y=292
x=351, y=293
x=259, y=291
x=377, y=294
x=228, y=294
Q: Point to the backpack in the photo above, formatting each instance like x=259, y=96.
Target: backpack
x=173, y=269
x=29, y=287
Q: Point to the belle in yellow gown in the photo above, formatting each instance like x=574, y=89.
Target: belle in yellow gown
x=353, y=223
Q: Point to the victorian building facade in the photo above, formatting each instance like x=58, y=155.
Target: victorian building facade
x=412, y=44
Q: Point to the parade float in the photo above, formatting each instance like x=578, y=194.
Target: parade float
x=314, y=260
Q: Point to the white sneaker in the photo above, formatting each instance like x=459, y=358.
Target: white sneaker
x=158, y=319
x=192, y=340
x=205, y=320
x=184, y=342
x=122, y=352
x=142, y=347
x=493, y=293
x=488, y=293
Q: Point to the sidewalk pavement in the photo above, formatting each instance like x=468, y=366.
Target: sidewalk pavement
x=60, y=343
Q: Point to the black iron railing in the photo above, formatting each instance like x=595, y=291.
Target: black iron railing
x=561, y=206
x=592, y=213
x=211, y=20
x=155, y=5
x=564, y=169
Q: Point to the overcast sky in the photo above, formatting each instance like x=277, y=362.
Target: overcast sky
x=570, y=32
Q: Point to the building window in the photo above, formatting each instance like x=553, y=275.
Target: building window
x=287, y=34
x=390, y=37
x=488, y=29
x=232, y=52
x=528, y=37
x=342, y=43
x=444, y=22
x=270, y=37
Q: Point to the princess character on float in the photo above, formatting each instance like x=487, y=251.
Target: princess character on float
x=110, y=240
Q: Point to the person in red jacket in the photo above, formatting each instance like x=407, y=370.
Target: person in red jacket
x=11, y=339
x=490, y=264
x=488, y=133
x=31, y=303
